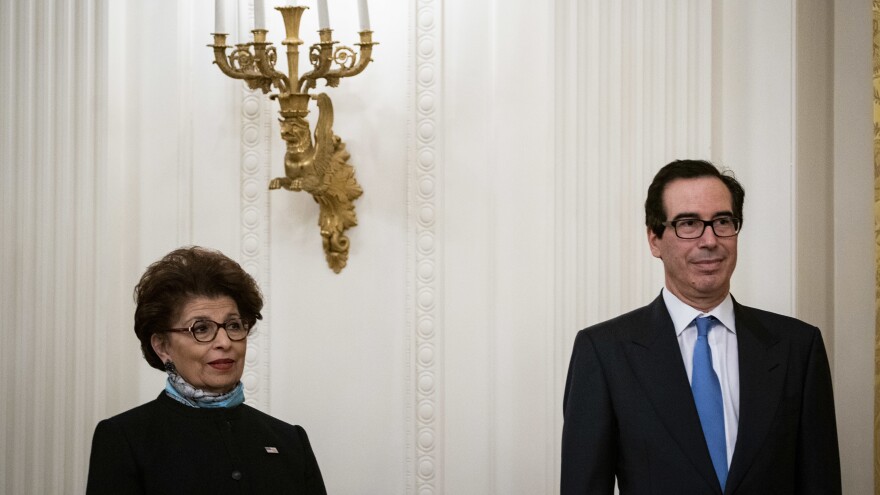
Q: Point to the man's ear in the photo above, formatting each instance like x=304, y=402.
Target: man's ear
x=159, y=342
x=653, y=242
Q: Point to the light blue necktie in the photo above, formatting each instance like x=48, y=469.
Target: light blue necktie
x=707, y=396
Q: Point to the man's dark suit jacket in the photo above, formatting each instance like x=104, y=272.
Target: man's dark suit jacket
x=164, y=446
x=629, y=411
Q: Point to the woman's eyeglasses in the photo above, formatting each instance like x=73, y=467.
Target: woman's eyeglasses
x=206, y=330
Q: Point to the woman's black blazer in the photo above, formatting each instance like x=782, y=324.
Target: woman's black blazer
x=164, y=446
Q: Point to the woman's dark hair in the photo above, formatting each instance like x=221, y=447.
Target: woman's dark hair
x=655, y=212
x=182, y=274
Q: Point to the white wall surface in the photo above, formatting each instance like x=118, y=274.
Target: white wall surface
x=754, y=137
x=504, y=148
x=854, y=292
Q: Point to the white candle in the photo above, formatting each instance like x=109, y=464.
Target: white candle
x=259, y=14
x=364, y=15
x=323, y=15
x=219, y=16
x=244, y=20
x=291, y=3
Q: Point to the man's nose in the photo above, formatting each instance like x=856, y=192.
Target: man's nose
x=708, y=239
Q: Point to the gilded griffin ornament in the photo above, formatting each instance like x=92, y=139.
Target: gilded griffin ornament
x=322, y=170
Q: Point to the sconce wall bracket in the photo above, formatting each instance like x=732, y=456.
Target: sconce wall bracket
x=318, y=166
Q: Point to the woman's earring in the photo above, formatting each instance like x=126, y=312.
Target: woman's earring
x=169, y=367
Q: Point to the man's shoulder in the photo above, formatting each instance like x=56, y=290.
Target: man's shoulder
x=778, y=324
x=634, y=320
x=629, y=318
x=764, y=315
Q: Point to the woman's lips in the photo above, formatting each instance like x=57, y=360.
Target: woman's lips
x=222, y=364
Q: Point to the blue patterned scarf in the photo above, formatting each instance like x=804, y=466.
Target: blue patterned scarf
x=180, y=390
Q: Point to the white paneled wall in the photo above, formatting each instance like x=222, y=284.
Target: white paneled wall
x=498, y=231
x=855, y=294
x=504, y=148
x=63, y=245
x=543, y=220
x=645, y=99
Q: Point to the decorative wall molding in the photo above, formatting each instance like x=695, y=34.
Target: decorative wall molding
x=255, y=235
x=424, y=471
x=255, y=172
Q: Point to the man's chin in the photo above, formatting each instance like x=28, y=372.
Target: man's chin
x=711, y=285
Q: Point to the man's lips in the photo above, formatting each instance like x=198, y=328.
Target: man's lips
x=221, y=364
x=710, y=264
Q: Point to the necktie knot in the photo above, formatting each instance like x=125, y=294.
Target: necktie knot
x=704, y=324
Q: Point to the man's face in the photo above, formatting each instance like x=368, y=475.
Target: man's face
x=697, y=270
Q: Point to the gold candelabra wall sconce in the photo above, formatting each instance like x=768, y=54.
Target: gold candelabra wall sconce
x=318, y=166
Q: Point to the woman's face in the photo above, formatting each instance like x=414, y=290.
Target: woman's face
x=214, y=366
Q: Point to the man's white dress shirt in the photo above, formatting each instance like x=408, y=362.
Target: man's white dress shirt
x=725, y=355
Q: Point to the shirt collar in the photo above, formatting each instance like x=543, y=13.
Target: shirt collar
x=683, y=315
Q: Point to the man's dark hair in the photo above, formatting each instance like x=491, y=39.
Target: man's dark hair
x=655, y=211
x=181, y=275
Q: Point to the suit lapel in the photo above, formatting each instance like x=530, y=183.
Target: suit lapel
x=761, y=378
x=655, y=359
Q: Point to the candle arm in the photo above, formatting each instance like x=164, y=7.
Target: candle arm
x=222, y=61
x=264, y=56
x=322, y=65
x=246, y=68
x=266, y=65
x=225, y=67
x=363, y=58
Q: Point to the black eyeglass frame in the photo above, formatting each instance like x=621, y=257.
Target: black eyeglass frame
x=737, y=226
x=247, y=329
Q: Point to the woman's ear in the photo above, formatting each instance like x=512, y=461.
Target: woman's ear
x=160, y=346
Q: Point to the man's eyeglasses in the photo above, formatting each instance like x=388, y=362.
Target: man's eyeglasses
x=206, y=330
x=693, y=228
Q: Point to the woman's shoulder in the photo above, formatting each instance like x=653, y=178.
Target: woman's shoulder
x=159, y=415
x=254, y=414
x=135, y=427
x=138, y=413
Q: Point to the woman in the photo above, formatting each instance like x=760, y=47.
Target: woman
x=195, y=309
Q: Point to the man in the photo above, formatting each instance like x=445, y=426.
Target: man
x=695, y=393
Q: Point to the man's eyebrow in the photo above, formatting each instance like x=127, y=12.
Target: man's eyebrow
x=689, y=214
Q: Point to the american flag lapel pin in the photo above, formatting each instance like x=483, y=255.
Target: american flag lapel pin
x=271, y=450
